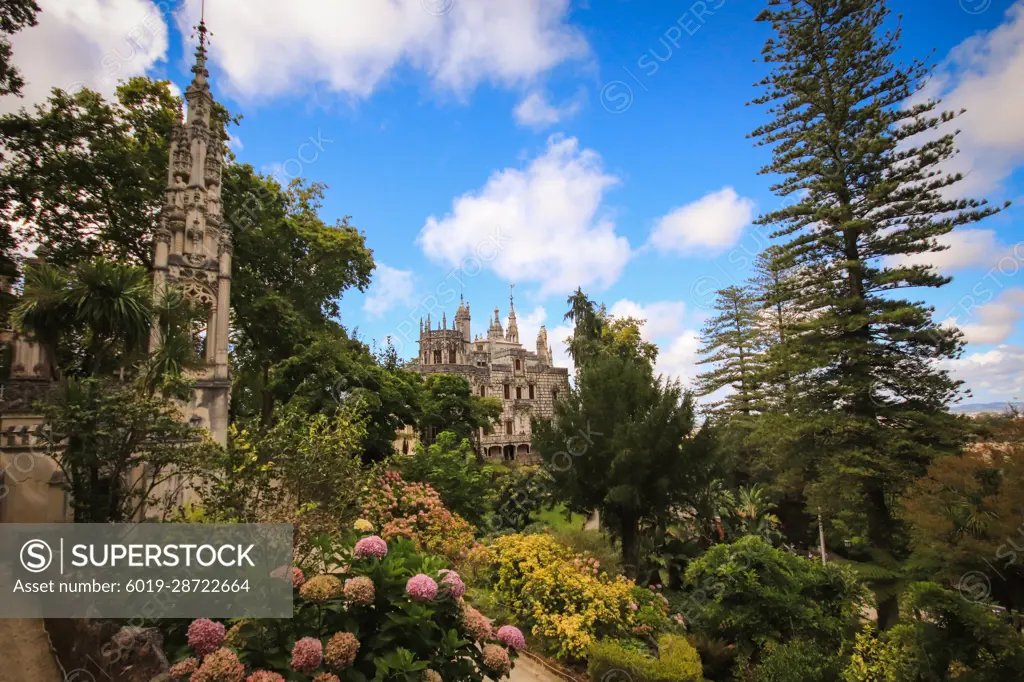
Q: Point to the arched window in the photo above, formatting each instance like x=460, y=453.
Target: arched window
x=519, y=392
x=554, y=394
x=508, y=428
x=437, y=357
x=531, y=391
x=519, y=364
x=483, y=391
x=507, y=394
x=451, y=357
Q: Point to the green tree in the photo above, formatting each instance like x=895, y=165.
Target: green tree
x=290, y=271
x=449, y=405
x=450, y=467
x=755, y=595
x=732, y=342
x=14, y=16
x=87, y=176
x=93, y=319
x=869, y=405
x=120, y=449
x=618, y=443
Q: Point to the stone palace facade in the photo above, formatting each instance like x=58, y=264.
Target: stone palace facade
x=526, y=382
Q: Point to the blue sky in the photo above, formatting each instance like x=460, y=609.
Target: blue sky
x=552, y=144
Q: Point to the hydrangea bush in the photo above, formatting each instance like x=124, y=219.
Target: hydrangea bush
x=398, y=508
x=566, y=600
x=387, y=612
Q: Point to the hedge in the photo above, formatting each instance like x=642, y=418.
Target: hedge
x=678, y=662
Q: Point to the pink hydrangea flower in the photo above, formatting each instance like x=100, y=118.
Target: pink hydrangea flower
x=307, y=654
x=298, y=578
x=184, y=668
x=476, y=624
x=341, y=650
x=496, y=659
x=220, y=666
x=421, y=587
x=264, y=676
x=205, y=636
x=452, y=581
x=512, y=637
x=371, y=546
x=432, y=676
x=633, y=606
x=322, y=588
x=360, y=591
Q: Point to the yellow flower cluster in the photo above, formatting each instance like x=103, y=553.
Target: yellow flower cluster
x=550, y=591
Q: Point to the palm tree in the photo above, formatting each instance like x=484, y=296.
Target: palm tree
x=44, y=311
x=104, y=305
x=113, y=303
x=176, y=352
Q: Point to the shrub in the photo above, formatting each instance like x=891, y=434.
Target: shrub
x=406, y=630
x=398, y=508
x=752, y=594
x=593, y=543
x=521, y=492
x=450, y=467
x=677, y=662
x=940, y=636
x=562, y=597
x=798, y=661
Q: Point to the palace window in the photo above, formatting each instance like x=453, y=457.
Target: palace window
x=554, y=394
x=519, y=364
x=451, y=357
x=483, y=391
x=508, y=428
x=437, y=357
x=507, y=393
x=531, y=391
x=519, y=392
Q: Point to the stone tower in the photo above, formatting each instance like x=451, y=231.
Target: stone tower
x=462, y=320
x=512, y=333
x=192, y=252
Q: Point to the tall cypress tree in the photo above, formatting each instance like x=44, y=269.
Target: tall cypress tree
x=863, y=159
x=732, y=344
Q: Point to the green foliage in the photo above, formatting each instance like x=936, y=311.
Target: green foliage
x=305, y=468
x=522, y=492
x=797, y=661
x=620, y=442
x=753, y=595
x=449, y=405
x=866, y=404
x=109, y=431
x=87, y=176
x=732, y=341
x=965, y=517
x=14, y=16
x=398, y=636
x=594, y=543
x=451, y=468
x=678, y=661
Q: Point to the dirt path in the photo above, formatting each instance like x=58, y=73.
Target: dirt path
x=529, y=670
x=27, y=656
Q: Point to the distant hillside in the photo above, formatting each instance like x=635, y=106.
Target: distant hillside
x=980, y=408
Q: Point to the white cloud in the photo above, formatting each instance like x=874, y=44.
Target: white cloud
x=993, y=375
x=536, y=111
x=967, y=248
x=86, y=44
x=389, y=289
x=267, y=48
x=544, y=224
x=993, y=322
x=678, y=359
x=235, y=143
x=983, y=75
x=560, y=349
x=663, y=318
x=710, y=225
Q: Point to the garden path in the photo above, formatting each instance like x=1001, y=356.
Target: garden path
x=529, y=670
x=26, y=655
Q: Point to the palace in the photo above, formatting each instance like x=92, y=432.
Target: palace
x=526, y=382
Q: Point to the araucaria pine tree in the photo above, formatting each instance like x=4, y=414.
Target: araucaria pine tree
x=732, y=344
x=861, y=152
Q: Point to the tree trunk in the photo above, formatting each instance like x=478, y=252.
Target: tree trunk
x=266, y=399
x=630, y=544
